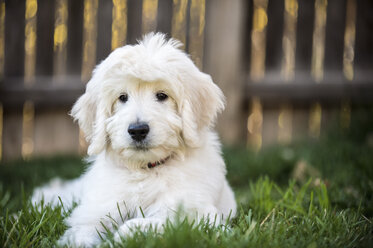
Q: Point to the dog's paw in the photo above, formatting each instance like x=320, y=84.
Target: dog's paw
x=124, y=231
x=142, y=224
x=48, y=192
x=79, y=237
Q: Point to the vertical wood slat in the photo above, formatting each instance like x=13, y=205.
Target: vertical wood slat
x=315, y=118
x=1, y=130
x=257, y=70
x=305, y=24
x=270, y=126
x=60, y=38
x=318, y=40
x=104, y=28
x=2, y=39
x=255, y=124
x=273, y=35
x=275, y=126
x=30, y=41
x=119, y=24
x=89, y=38
x=2, y=47
x=164, y=16
x=28, y=114
x=149, y=16
x=223, y=61
x=289, y=39
x=14, y=38
x=179, y=14
x=134, y=16
x=13, y=67
x=348, y=58
x=12, y=133
x=345, y=114
x=74, y=47
x=28, y=129
x=196, y=31
x=258, y=39
x=364, y=37
x=285, y=118
x=45, y=40
x=89, y=51
x=334, y=33
x=285, y=123
x=55, y=132
x=317, y=67
x=349, y=40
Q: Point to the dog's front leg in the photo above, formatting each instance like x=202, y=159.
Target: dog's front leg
x=86, y=224
x=80, y=236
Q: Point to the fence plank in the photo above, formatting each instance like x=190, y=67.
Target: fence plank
x=60, y=38
x=275, y=30
x=119, y=24
x=89, y=38
x=164, y=16
x=349, y=40
x=258, y=40
x=45, y=28
x=31, y=13
x=318, y=40
x=197, y=31
x=104, y=29
x=364, y=37
x=285, y=116
x=300, y=122
x=50, y=132
x=2, y=38
x=306, y=12
x=269, y=126
x=12, y=134
x=334, y=36
x=134, y=20
x=75, y=38
x=14, y=38
x=179, y=20
x=149, y=16
x=223, y=50
x=1, y=130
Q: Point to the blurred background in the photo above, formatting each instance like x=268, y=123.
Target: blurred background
x=288, y=68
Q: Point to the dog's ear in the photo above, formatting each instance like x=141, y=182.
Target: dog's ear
x=203, y=101
x=90, y=113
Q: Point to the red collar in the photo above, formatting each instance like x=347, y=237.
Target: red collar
x=162, y=161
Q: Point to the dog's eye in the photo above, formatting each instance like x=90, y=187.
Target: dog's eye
x=161, y=96
x=123, y=98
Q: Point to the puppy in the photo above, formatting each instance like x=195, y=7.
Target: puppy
x=148, y=114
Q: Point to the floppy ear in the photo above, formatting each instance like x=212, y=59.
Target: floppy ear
x=91, y=115
x=203, y=101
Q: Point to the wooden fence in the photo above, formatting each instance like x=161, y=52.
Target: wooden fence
x=285, y=66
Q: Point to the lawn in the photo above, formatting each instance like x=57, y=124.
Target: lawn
x=314, y=193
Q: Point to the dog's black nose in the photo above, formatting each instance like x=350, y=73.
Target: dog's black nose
x=138, y=131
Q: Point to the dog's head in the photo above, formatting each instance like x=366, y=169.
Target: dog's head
x=147, y=101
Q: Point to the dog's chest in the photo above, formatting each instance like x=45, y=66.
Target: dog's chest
x=138, y=189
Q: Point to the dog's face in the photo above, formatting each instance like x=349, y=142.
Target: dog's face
x=147, y=102
x=144, y=124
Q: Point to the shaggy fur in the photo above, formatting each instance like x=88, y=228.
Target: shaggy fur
x=193, y=176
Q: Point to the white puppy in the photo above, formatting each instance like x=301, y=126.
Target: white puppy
x=148, y=114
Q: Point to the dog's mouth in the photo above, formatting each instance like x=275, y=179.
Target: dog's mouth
x=140, y=146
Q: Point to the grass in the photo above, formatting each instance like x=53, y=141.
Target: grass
x=307, y=194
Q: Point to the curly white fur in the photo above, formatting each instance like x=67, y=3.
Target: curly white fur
x=180, y=127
